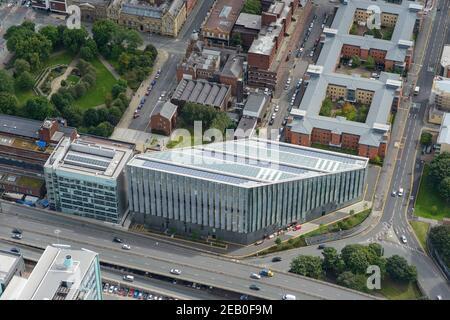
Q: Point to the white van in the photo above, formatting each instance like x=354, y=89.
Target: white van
x=128, y=278
x=400, y=192
x=289, y=297
x=416, y=91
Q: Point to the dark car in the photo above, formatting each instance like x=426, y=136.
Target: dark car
x=276, y=259
x=117, y=239
x=254, y=287
x=17, y=231
x=321, y=246
x=14, y=250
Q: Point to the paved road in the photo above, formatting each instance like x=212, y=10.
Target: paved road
x=393, y=221
x=159, y=257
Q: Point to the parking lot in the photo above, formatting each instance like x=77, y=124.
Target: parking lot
x=116, y=291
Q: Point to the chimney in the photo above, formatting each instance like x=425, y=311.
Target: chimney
x=68, y=262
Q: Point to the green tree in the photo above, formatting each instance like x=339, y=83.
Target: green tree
x=308, y=266
x=90, y=118
x=356, y=61
x=326, y=108
x=356, y=258
x=425, y=138
x=444, y=188
x=398, y=269
x=74, y=39
x=8, y=103
x=52, y=34
x=278, y=241
x=236, y=39
x=73, y=115
x=104, y=129
x=354, y=29
x=114, y=115
x=439, y=167
x=38, y=108
x=6, y=82
x=102, y=32
x=353, y=281
x=252, y=7
x=118, y=88
x=440, y=239
x=21, y=65
x=25, y=81
x=332, y=262
x=370, y=63
x=89, y=50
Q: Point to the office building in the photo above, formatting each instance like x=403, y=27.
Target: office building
x=85, y=177
x=62, y=273
x=11, y=264
x=240, y=190
x=443, y=140
x=440, y=93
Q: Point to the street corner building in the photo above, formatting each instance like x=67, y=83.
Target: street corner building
x=85, y=177
x=240, y=190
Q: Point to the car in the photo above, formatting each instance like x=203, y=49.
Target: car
x=116, y=289
x=323, y=25
x=276, y=259
x=117, y=240
x=140, y=295
x=16, y=236
x=403, y=238
x=111, y=289
x=254, y=287
x=257, y=243
x=175, y=272
x=321, y=246
x=277, y=107
x=394, y=193
x=147, y=93
x=157, y=76
x=128, y=278
x=438, y=297
x=400, y=192
x=126, y=247
x=244, y=297
x=255, y=276
x=284, y=122
x=311, y=25
x=106, y=287
x=136, y=115
x=153, y=82
x=311, y=54
x=18, y=231
x=274, y=115
x=144, y=296
x=271, y=122
x=136, y=294
x=289, y=297
x=159, y=71
x=14, y=250
x=288, y=81
x=150, y=297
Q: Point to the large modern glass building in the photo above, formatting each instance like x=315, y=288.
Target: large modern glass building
x=240, y=190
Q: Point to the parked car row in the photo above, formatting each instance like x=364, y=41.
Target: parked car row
x=131, y=292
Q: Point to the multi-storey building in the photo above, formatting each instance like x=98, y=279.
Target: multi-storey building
x=62, y=273
x=85, y=177
x=440, y=93
x=445, y=61
x=443, y=140
x=240, y=190
x=11, y=264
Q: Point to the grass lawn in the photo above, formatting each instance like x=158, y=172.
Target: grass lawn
x=429, y=197
x=62, y=57
x=421, y=229
x=398, y=291
x=96, y=95
x=23, y=96
x=73, y=79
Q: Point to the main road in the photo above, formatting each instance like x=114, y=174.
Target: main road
x=156, y=256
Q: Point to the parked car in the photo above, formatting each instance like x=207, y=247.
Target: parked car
x=404, y=239
x=18, y=231
x=274, y=115
x=136, y=115
x=126, y=247
x=271, y=122
x=153, y=82
x=111, y=289
x=175, y=272
x=321, y=246
x=136, y=294
x=106, y=287
x=277, y=107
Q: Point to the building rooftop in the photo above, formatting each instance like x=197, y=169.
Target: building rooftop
x=248, y=162
x=90, y=156
x=202, y=92
x=54, y=277
x=246, y=127
x=165, y=108
x=445, y=58
x=444, y=131
x=249, y=21
x=254, y=105
x=8, y=262
x=223, y=15
x=441, y=84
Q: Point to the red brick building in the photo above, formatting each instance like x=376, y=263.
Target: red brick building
x=164, y=118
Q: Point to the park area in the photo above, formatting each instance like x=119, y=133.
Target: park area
x=428, y=203
x=351, y=111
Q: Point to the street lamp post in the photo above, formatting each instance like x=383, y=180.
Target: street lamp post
x=57, y=232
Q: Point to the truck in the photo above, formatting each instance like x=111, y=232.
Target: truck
x=416, y=90
x=266, y=273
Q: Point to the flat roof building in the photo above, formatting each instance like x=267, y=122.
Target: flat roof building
x=240, y=190
x=85, y=177
x=11, y=264
x=443, y=140
x=445, y=61
x=61, y=273
x=440, y=93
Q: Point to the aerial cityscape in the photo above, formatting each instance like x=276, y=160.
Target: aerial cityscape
x=224, y=150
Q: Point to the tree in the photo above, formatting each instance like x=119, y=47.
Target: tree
x=38, y=108
x=356, y=61
x=114, y=115
x=80, y=89
x=398, y=269
x=370, y=63
x=25, y=81
x=326, y=108
x=90, y=118
x=73, y=115
x=102, y=32
x=21, y=65
x=118, y=88
x=332, y=262
x=354, y=29
x=308, y=266
x=61, y=100
x=104, y=129
x=74, y=39
x=6, y=82
x=357, y=257
x=425, y=138
x=278, y=241
x=8, y=103
x=353, y=281
x=252, y=7
x=89, y=51
x=439, y=167
x=444, y=189
x=236, y=39
x=440, y=239
x=52, y=34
